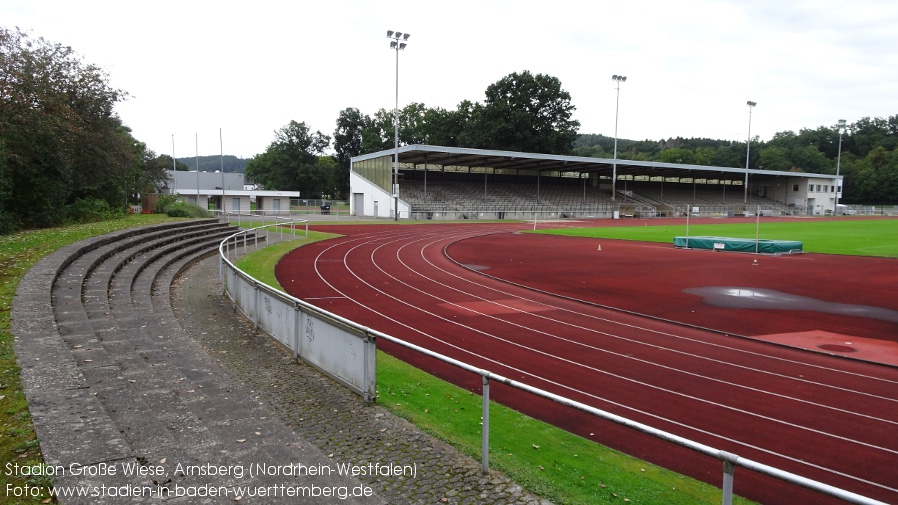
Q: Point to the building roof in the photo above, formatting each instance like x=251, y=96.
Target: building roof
x=236, y=192
x=466, y=157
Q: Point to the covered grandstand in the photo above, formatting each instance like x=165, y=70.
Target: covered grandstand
x=458, y=183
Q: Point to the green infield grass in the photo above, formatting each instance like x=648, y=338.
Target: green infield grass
x=856, y=237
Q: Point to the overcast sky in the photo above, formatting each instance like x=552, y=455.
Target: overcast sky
x=193, y=68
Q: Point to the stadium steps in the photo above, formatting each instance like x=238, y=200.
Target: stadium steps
x=105, y=369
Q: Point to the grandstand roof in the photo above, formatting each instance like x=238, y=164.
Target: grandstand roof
x=465, y=157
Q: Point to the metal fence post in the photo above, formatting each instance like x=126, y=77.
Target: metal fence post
x=296, y=327
x=255, y=305
x=300, y=332
x=729, y=468
x=366, y=384
x=485, y=442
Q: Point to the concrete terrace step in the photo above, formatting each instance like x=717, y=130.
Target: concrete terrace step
x=113, y=382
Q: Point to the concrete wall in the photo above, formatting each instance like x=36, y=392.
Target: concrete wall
x=375, y=202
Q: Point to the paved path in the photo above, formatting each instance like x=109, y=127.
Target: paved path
x=143, y=383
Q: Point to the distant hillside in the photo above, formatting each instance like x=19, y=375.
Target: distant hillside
x=214, y=163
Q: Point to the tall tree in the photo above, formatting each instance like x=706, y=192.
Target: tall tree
x=446, y=127
x=867, y=134
x=291, y=162
x=378, y=134
x=875, y=178
x=61, y=138
x=525, y=112
x=351, y=123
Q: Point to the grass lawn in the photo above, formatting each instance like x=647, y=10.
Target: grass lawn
x=546, y=460
x=18, y=253
x=856, y=237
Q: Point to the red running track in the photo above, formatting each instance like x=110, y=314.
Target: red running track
x=829, y=419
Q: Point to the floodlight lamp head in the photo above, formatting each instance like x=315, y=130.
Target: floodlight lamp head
x=750, y=103
x=389, y=33
x=402, y=45
x=842, y=122
x=405, y=36
x=393, y=45
x=398, y=35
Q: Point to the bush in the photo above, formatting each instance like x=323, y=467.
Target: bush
x=7, y=223
x=168, y=204
x=89, y=210
x=163, y=202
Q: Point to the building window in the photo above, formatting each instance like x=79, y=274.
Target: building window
x=795, y=187
x=825, y=188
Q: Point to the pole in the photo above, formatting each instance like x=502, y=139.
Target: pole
x=757, y=229
x=838, y=162
x=397, y=42
x=485, y=436
x=221, y=160
x=396, y=144
x=198, y=170
x=173, y=166
x=748, y=149
x=618, y=79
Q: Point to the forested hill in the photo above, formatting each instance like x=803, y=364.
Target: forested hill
x=864, y=152
x=214, y=163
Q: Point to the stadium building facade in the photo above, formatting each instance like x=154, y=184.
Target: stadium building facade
x=226, y=192
x=434, y=182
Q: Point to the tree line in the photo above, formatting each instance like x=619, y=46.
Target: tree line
x=522, y=112
x=532, y=113
x=64, y=152
x=66, y=155
x=866, y=156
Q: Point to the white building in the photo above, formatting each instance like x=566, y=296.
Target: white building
x=816, y=195
x=226, y=191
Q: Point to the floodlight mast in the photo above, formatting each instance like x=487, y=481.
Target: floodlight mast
x=838, y=162
x=748, y=148
x=618, y=79
x=398, y=46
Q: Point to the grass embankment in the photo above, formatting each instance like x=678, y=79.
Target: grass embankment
x=260, y=264
x=855, y=237
x=18, y=253
x=546, y=460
